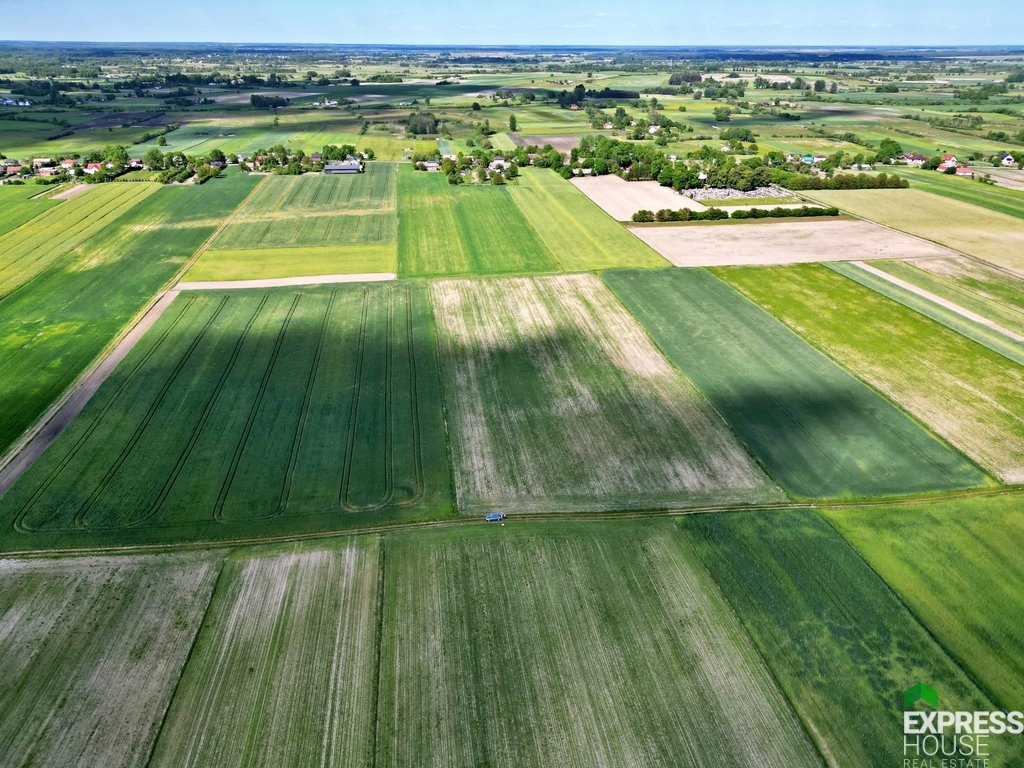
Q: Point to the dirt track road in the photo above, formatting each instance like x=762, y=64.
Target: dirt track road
x=962, y=311
x=284, y=282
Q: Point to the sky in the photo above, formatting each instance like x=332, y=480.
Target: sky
x=525, y=22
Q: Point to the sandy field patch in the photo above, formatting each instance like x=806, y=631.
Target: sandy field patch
x=1010, y=178
x=70, y=192
x=782, y=242
x=621, y=199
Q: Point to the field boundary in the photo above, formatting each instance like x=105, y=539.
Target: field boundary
x=517, y=519
x=283, y=282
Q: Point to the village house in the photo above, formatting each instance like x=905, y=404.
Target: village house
x=948, y=161
x=498, y=164
x=964, y=170
x=39, y=162
x=68, y=164
x=914, y=159
x=1008, y=160
x=93, y=168
x=12, y=170
x=48, y=171
x=431, y=165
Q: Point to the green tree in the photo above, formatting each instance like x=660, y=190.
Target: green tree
x=819, y=86
x=512, y=123
x=116, y=155
x=153, y=159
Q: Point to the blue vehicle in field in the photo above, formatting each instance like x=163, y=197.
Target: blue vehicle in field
x=495, y=517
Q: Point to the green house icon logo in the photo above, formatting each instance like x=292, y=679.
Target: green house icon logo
x=920, y=693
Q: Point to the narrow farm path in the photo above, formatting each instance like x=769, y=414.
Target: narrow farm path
x=280, y=282
x=945, y=303
x=61, y=413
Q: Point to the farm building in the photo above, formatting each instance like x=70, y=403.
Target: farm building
x=964, y=170
x=349, y=165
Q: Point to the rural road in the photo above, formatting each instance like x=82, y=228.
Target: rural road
x=282, y=282
x=962, y=311
x=67, y=408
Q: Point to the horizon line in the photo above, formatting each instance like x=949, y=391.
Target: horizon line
x=1011, y=47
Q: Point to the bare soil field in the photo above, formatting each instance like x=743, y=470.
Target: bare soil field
x=782, y=242
x=564, y=144
x=70, y=192
x=620, y=199
x=1007, y=177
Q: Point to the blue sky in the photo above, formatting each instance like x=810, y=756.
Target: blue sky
x=529, y=22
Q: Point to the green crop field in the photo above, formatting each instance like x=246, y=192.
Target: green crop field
x=978, y=329
x=16, y=208
x=557, y=400
x=254, y=264
x=572, y=645
x=965, y=392
x=818, y=430
x=309, y=225
x=308, y=231
x=579, y=234
x=251, y=413
x=446, y=230
x=999, y=199
x=374, y=190
x=837, y=639
x=57, y=323
x=971, y=229
x=283, y=670
x=91, y=654
x=976, y=613
x=47, y=238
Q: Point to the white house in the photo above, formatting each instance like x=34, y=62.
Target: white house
x=1008, y=160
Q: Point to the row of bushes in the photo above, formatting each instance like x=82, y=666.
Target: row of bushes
x=799, y=181
x=717, y=214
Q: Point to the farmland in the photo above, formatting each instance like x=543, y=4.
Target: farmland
x=90, y=652
x=309, y=225
x=16, y=208
x=767, y=241
x=818, y=613
x=974, y=615
x=575, y=230
x=463, y=230
x=503, y=650
x=745, y=482
x=965, y=392
x=999, y=199
x=56, y=324
x=817, y=429
x=558, y=401
x=283, y=670
x=992, y=293
x=31, y=248
x=985, y=234
x=975, y=326
x=185, y=439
